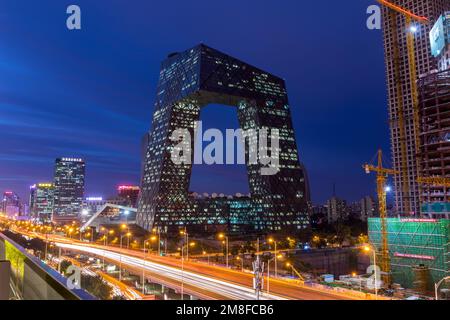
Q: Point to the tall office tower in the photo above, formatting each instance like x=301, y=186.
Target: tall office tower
x=41, y=201
x=69, y=189
x=188, y=81
x=130, y=194
x=400, y=93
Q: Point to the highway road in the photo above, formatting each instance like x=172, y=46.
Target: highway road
x=199, y=279
x=227, y=283
x=227, y=289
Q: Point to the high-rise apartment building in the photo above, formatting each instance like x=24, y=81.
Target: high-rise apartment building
x=69, y=189
x=336, y=210
x=399, y=90
x=368, y=208
x=41, y=201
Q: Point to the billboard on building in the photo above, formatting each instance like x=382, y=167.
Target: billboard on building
x=439, y=35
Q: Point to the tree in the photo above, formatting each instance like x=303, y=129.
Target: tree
x=64, y=265
x=96, y=286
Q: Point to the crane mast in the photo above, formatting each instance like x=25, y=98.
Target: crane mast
x=382, y=174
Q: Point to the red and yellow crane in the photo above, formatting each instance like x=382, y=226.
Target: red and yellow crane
x=382, y=175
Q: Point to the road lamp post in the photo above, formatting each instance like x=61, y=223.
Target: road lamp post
x=368, y=248
x=242, y=262
x=272, y=240
x=128, y=234
x=223, y=236
x=143, y=269
x=158, y=231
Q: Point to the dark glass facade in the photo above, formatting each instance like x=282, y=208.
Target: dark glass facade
x=188, y=81
x=68, y=189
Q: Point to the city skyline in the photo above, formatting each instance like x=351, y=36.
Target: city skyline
x=96, y=113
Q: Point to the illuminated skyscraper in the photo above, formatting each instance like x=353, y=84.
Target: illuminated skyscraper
x=10, y=204
x=41, y=201
x=188, y=81
x=395, y=27
x=69, y=189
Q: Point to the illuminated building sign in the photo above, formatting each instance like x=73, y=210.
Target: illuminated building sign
x=45, y=185
x=72, y=159
x=439, y=36
x=123, y=188
x=418, y=220
x=94, y=199
x=413, y=256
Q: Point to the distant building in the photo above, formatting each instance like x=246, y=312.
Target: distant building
x=368, y=208
x=354, y=210
x=319, y=215
x=69, y=189
x=337, y=210
x=130, y=194
x=91, y=205
x=41, y=201
x=11, y=204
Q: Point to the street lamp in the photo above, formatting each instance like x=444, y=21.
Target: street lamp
x=143, y=269
x=272, y=240
x=368, y=248
x=128, y=235
x=185, y=244
x=157, y=230
x=223, y=236
x=242, y=263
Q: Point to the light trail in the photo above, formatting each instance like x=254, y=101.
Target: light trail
x=233, y=291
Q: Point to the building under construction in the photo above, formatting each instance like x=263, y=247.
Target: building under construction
x=434, y=97
x=418, y=250
x=401, y=100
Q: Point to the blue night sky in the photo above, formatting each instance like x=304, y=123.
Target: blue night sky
x=90, y=93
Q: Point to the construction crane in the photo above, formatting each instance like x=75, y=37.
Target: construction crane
x=434, y=181
x=382, y=174
x=411, y=19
